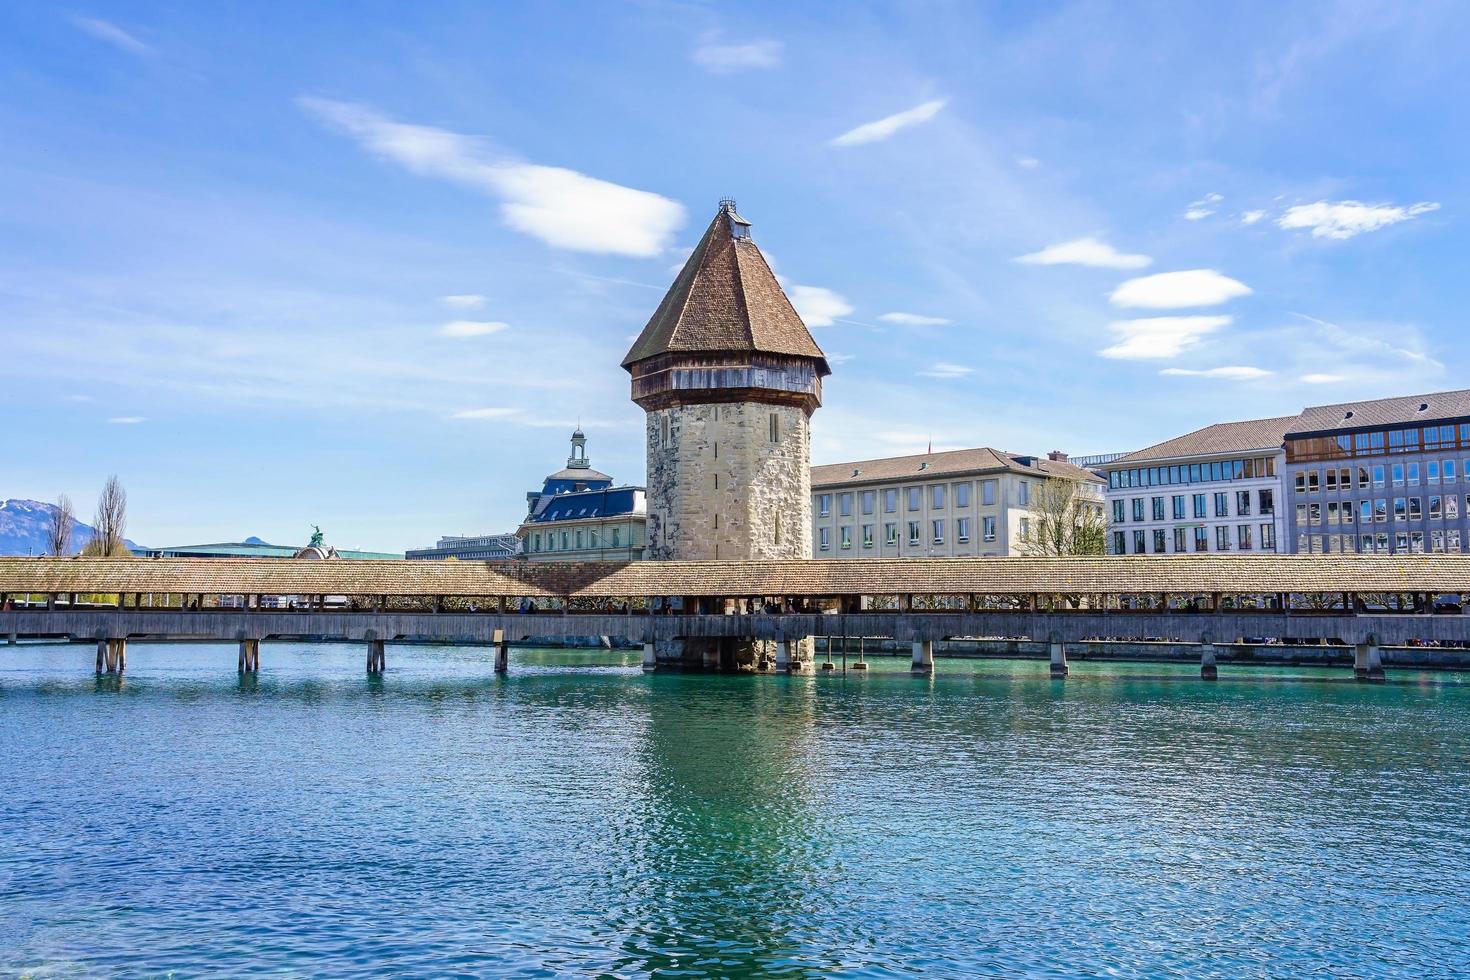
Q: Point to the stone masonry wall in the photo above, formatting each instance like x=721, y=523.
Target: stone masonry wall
x=719, y=488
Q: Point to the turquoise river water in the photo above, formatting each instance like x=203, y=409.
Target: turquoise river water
x=580, y=818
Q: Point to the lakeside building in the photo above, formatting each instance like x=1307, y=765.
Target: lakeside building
x=971, y=502
x=485, y=547
x=1216, y=489
x=259, y=549
x=578, y=515
x=1384, y=476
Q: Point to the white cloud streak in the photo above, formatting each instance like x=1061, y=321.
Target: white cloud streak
x=110, y=33
x=463, y=301
x=126, y=420
x=486, y=413
x=471, y=328
x=1231, y=373
x=723, y=59
x=1202, y=208
x=1346, y=219
x=1088, y=252
x=560, y=207
x=818, y=306
x=1177, y=290
x=944, y=369
x=1160, y=337
x=914, y=320
x=882, y=129
x=1251, y=217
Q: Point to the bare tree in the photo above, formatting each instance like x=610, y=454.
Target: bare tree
x=1066, y=519
x=58, y=534
x=111, y=522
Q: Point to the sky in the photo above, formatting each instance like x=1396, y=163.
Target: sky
x=366, y=265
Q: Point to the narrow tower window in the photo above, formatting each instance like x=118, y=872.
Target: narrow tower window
x=778, y=529
x=663, y=431
x=775, y=427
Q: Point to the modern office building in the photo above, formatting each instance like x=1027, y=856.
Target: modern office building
x=973, y=502
x=1383, y=476
x=485, y=547
x=1215, y=489
x=578, y=515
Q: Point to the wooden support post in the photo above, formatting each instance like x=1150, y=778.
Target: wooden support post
x=861, y=663
x=102, y=650
x=1368, y=661
x=923, y=663
x=502, y=653
x=1207, y=669
x=1058, y=651
x=377, y=658
x=240, y=659
x=249, y=659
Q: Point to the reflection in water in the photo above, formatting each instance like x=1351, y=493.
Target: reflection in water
x=579, y=817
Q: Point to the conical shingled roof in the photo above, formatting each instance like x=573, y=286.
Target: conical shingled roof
x=726, y=300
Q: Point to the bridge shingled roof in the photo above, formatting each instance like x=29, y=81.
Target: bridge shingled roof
x=796, y=577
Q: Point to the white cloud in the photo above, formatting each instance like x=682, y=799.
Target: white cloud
x=1176, y=290
x=561, y=207
x=126, y=420
x=1160, y=337
x=1251, y=217
x=1085, y=251
x=817, y=305
x=464, y=301
x=838, y=358
x=1202, y=208
x=914, y=320
x=1323, y=379
x=486, y=413
x=1027, y=163
x=881, y=129
x=471, y=328
x=1344, y=219
x=1230, y=373
x=725, y=58
x=944, y=369
x=110, y=33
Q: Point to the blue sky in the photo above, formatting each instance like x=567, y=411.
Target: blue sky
x=365, y=265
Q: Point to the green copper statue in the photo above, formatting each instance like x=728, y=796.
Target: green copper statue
x=317, y=538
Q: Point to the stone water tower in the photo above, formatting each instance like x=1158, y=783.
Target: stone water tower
x=729, y=377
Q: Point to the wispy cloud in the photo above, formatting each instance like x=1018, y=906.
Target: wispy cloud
x=914, y=320
x=1027, y=163
x=1085, y=251
x=1345, y=219
x=1177, y=290
x=463, y=301
x=487, y=413
x=110, y=33
x=1233, y=373
x=561, y=207
x=1160, y=337
x=471, y=328
x=944, y=369
x=723, y=59
x=126, y=420
x=1202, y=208
x=1251, y=217
x=817, y=305
x=881, y=129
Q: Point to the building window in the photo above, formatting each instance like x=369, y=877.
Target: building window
x=1242, y=503
x=867, y=535
x=1449, y=471
x=1431, y=471
x=936, y=497
x=1436, y=508
x=844, y=505
x=824, y=538
x=1200, y=510
x=1400, y=509
x=579, y=537
x=870, y=499
x=1413, y=476
x=1398, y=474
x=890, y=534
x=1451, y=507
x=1160, y=540
x=1118, y=512
x=845, y=538
x=962, y=495
x=1416, y=509
x=1179, y=508
x=890, y=501
x=1378, y=478
x=987, y=528
x=1139, y=543
x=1222, y=538
x=1158, y=508
x=824, y=505
x=1243, y=537
x=1222, y=505
x=1201, y=537
x=987, y=492
x=1179, y=540
x=617, y=537
x=564, y=540
x=1025, y=527
x=913, y=532
x=775, y=432
x=962, y=530
x=915, y=497
x=1120, y=541
x=1267, y=501
x=1380, y=511
x=1138, y=508
x=939, y=532
x=1024, y=492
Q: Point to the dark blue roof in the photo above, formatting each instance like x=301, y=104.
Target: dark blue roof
x=610, y=502
x=553, y=486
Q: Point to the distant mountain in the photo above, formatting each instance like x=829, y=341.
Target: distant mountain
x=23, y=525
x=253, y=540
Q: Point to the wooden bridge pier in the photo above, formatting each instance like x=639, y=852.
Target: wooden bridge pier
x=502, y=653
x=112, y=656
x=377, y=659
x=861, y=663
x=248, y=661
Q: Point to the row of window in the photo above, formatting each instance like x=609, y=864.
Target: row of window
x=1265, y=504
x=1164, y=476
x=1401, y=542
x=913, y=497
x=937, y=529
x=1242, y=538
x=1340, y=478
x=1445, y=507
x=668, y=434
x=570, y=541
x=1428, y=438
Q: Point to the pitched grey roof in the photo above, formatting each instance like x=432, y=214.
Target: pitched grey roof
x=1404, y=410
x=955, y=462
x=1250, y=436
x=725, y=300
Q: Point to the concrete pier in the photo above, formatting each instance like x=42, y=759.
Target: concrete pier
x=13, y=638
x=1207, y=669
x=1058, y=651
x=788, y=657
x=1368, y=661
x=923, y=665
x=502, y=655
x=650, y=658
x=377, y=659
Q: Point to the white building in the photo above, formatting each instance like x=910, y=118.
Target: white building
x=973, y=502
x=1217, y=489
